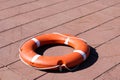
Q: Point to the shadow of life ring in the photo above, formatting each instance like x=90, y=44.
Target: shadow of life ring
x=67, y=61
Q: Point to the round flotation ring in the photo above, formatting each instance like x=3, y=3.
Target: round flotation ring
x=30, y=57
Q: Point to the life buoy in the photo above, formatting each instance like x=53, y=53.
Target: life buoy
x=30, y=57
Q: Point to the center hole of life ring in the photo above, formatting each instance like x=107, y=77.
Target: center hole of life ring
x=54, y=50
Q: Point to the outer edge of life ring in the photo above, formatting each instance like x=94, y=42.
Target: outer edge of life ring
x=30, y=57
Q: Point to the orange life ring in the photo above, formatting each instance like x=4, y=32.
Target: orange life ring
x=30, y=57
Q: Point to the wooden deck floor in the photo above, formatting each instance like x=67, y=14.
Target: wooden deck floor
x=96, y=21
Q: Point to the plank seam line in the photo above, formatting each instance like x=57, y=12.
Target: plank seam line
x=9, y=63
x=33, y=10
x=109, y=56
x=40, y=76
x=43, y=17
x=97, y=25
x=19, y=5
x=107, y=41
x=107, y=70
